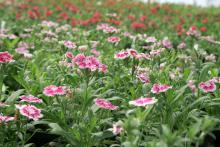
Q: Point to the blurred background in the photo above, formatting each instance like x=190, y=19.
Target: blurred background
x=203, y=3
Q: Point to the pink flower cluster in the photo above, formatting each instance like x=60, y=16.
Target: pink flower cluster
x=53, y=90
x=113, y=39
x=6, y=118
x=131, y=53
x=89, y=62
x=208, y=86
x=107, y=28
x=143, y=101
x=30, y=111
x=105, y=104
x=5, y=57
x=193, y=32
x=30, y=99
x=158, y=88
x=181, y=45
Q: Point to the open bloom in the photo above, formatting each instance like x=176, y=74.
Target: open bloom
x=158, y=88
x=5, y=57
x=113, y=39
x=143, y=101
x=89, y=62
x=122, y=55
x=53, y=90
x=105, y=104
x=208, y=86
x=30, y=111
x=30, y=99
x=6, y=118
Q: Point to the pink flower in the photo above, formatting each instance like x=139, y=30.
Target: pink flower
x=116, y=128
x=181, y=45
x=6, y=118
x=216, y=79
x=121, y=55
x=30, y=99
x=167, y=43
x=142, y=56
x=53, y=90
x=143, y=77
x=30, y=111
x=103, y=68
x=208, y=86
x=69, y=44
x=21, y=50
x=105, y=104
x=151, y=39
x=5, y=57
x=69, y=55
x=143, y=101
x=95, y=52
x=113, y=39
x=158, y=88
x=132, y=52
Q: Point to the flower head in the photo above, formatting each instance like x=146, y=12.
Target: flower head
x=105, y=104
x=113, y=39
x=53, y=90
x=143, y=101
x=30, y=111
x=5, y=57
x=30, y=99
x=158, y=88
x=208, y=86
x=6, y=118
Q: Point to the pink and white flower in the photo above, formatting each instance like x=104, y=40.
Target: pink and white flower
x=30, y=99
x=208, y=86
x=53, y=90
x=122, y=55
x=105, y=104
x=69, y=44
x=117, y=128
x=143, y=101
x=30, y=111
x=113, y=39
x=143, y=78
x=5, y=57
x=6, y=118
x=158, y=88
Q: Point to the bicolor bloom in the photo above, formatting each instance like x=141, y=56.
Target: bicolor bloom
x=6, y=118
x=53, y=90
x=208, y=86
x=143, y=101
x=158, y=88
x=69, y=55
x=117, y=128
x=30, y=111
x=143, y=78
x=167, y=43
x=122, y=55
x=30, y=99
x=113, y=39
x=5, y=57
x=105, y=104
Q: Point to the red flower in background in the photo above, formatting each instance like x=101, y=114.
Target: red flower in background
x=203, y=29
x=137, y=25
